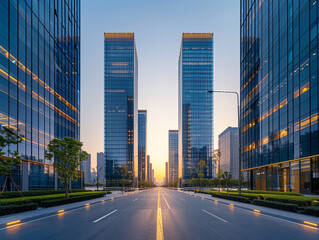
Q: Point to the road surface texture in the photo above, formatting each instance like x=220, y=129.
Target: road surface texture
x=158, y=214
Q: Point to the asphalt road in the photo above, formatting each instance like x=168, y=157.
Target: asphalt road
x=159, y=214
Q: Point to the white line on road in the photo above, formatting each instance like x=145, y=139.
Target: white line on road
x=104, y=216
x=135, y=200
x=166, y=202
x=214, y=216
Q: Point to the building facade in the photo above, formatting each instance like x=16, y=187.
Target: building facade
x=166, y=180
x=195, y=113
x=279, y=95
x=148, y=168
x=86, y=167
x=100, y=166
x=40, y=83
x=142, y=145
x=120, y=107
x=228, y=142
x=172, y=155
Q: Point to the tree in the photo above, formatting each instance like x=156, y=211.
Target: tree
x=217, y=155
x=97, y=170
x=200, y=171
x=7, y=163
x=226, y=176
x=124, y=172
x=67, y=155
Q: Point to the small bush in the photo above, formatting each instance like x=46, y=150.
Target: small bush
x=313, y=211
x=300, y=201
x=61, y=201
x=277, y=205
x=5, y=195
x=108, y=192
x=230, y=197
x=272, y=192
x=10, y=209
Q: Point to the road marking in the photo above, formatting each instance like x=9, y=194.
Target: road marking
x=135, y=200
x=104, y=216
x=159, y=229
x=182, y=199
x=214, y=215
x=166, y=202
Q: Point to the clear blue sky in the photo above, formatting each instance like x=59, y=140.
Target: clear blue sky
x=158, y=26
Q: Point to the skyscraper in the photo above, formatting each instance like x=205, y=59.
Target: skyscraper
x=228, y=142
x=166, y=181
x=100, y=166
x=148, y=168
x=87, y=167
x=40, y=83
x=279, y=95
x=120, y=106
x=172, y=155
x=142, y=145
x=195, y=107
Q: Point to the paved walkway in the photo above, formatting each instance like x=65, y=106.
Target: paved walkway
x=289, y=216
x=43, y=212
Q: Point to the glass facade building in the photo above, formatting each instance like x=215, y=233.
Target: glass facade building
x=40, y=82
x=279, y=94
x=120, y=107
x=172, y=155
x=195, y=120
x=142, y=145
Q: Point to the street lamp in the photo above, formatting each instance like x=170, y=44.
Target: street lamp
x=238, y=116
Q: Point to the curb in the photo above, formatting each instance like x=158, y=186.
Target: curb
x=298, y=221
x=25, y=220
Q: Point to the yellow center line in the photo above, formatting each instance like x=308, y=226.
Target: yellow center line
x=159, y=229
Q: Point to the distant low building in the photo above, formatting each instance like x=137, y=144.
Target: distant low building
x=101, y=165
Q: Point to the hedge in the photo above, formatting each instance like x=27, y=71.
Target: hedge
x=300, y=201
x=271, y=192
x=10, y=209
x=61, y=201
x=39, y=199
x=37, y=193
x=314, y=211
x=230, y=197
x=277, y=205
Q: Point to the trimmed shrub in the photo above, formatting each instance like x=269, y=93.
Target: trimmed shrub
x=277, y=205
x=10, y=209
x=313, y=211
x=271, y=192
x=300, y=201
x=38, y=193
x=108, y=192
x=230, y=197
x=61, y=201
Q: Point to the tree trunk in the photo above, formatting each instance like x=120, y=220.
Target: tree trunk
x=66, y=189
x=227, y=187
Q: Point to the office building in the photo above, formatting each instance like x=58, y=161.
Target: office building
x=166, y=179
x=142, y=145
x=86, y=167
x=148, y=168
x=228, y=142
x=120, y=107
x=40, y=83
x=100, y=166
x=195, y=107
x=279, y=95
x=172, y=155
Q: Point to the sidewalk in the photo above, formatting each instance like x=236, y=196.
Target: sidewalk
x=303, y=219
x=44, y=212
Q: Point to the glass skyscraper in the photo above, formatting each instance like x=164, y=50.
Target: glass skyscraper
x=39, y=82
x=172, y=155
x=142, y=145
x=120, y=107
x=279, y=94
x=195, y=121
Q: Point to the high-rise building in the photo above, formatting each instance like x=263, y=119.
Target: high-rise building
x=151, y=173
x=279, y=95
x=195, y=113
x=120, y=107
x=166, y=181
x=142, y=145
x=100, y=164
x=148, y=168
x=228, y=142
x=86, y=167
x=172, y=155
x=40, y=83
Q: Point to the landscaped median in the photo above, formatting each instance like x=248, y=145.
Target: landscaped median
x=293, y=202
x=52, y=198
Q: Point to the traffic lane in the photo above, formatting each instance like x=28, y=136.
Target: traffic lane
x=241, y=224
x=74, y=224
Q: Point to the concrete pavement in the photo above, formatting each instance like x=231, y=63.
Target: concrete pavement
x=160, y=214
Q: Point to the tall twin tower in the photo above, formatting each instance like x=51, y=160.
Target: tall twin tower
x=195, y=107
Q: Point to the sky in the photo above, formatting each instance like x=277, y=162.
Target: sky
x=158, y=26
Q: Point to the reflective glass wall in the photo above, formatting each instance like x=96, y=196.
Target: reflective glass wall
x=279, y=93
x=39, y=80
x=120, y=107
x=195, y=104
x=142, y=145
x=172, y=155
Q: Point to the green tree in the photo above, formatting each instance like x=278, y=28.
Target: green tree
x=200, y=171
x=9, y=137
x=67, y=155
x=124, y=172
x=217, y=155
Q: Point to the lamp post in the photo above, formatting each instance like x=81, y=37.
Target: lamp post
x=238, y=116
